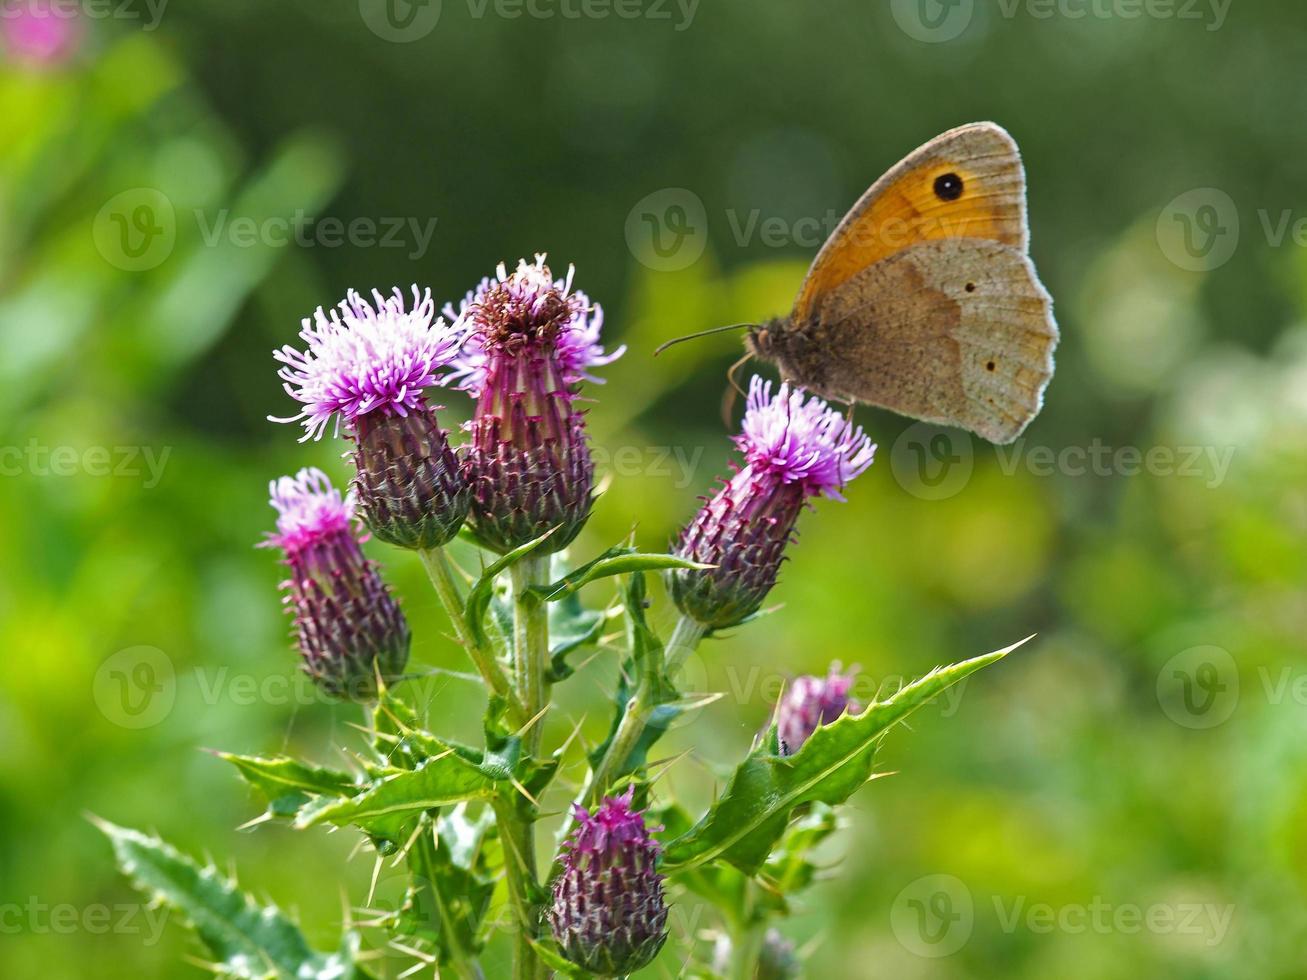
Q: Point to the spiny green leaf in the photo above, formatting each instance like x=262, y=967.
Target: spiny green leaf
x=620, y=560
x=483, y=589
x=288, y=784
x=790, y=868
x=744, y=825
x=246, y=940
x=571, y=627
x=451, y=888
x=387, y=809
x=552, y=958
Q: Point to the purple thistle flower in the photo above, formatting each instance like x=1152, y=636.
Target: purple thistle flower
x=370, y=367
x=347, y=625
x=529, y=340
x=795, y=447
x=811, y=702
x=359, y=359
x=608, y=914
x=533, y=290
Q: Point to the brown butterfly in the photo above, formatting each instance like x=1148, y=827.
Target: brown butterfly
x=924, y=299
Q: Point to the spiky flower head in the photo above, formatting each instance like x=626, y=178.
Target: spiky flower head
x=810, y=702
x=530, y=340
x=368, y=365
x=348, y=627
x=608, y=914
x=795, y=447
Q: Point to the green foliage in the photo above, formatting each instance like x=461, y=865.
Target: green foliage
x=744, y=825
x=620, y=560
x=287, y=784
x=246, y=940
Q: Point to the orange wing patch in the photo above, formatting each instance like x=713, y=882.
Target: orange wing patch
x=967, y=183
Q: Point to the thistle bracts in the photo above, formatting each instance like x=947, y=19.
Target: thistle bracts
x=369, y=364
x=608, y=914
x=411, y=487
x=795, y=448
x=348, y=627
x=529, y=342
x=742, y=533
x=810, y=702
x=529, y=464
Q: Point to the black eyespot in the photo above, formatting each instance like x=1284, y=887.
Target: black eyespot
x=971, y=287
x=949, y=187
x=989, y=366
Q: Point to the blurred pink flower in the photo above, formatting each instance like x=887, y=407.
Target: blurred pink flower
x=35, y=32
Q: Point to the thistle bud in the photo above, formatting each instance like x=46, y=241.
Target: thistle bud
x=810, y=702
x=608, y=914
x=348, y=627
x=530, y=340
x=369, y=365
x=795, y=448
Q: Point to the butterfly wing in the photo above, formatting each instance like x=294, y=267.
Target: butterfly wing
x=950, y=216
x=955, y=331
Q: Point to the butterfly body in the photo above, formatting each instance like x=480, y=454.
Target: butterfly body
x=924, y=300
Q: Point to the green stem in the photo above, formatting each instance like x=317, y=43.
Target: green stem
x=518, y=835
x=441, y=572
x=747, y=939
x=685, y=637
x=531, y=645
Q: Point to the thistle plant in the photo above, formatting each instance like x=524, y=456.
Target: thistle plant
x=527, y=845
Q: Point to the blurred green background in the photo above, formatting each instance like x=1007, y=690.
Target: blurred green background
x=1125, y=796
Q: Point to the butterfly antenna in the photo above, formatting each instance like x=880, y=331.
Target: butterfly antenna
x=702, y=333
x=728, y=396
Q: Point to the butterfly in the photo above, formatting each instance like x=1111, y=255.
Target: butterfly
x=924, y=300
